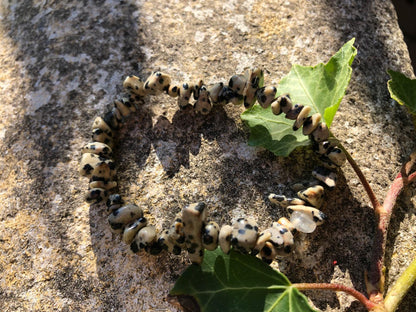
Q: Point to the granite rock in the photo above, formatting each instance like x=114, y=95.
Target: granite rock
x=63, y=63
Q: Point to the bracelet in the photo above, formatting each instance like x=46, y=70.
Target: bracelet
x=191, y=230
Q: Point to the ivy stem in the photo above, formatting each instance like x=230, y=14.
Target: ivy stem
x=400, y=287
x=337, y=287
x=374, y=201
x=375, y=276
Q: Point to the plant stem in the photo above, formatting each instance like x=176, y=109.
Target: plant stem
x=337, y=287
x=400, y=287
x=374, y=201
x=375, y=282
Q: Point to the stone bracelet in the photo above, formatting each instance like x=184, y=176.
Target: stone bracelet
x=191, y=230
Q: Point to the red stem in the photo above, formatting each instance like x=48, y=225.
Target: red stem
x=337, y=287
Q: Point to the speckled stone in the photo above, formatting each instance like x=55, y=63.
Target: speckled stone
x=63, y=63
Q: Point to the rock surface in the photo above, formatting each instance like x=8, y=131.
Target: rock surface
x=62, y=64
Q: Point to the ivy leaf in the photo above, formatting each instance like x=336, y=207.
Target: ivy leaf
x=238, y=282
x=402, y=90
x=322, y=87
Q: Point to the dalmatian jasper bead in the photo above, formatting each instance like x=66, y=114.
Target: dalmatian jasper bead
x=311, y=123
x=124, y=110
x=88, y=163
x=98, y=135
x=244, y=235
x=214, y=92
x=107, y=185
x=276, y=110
x=238, y=83
x=261, y=241
x=224, y=238
x=313, y=195
x=255, y=81
x=287, y=224
x=285, y=103
x=114, y=202
x=321, y=133
x=193, y=217
x=167, y=244
x=284, y=235
x=266, y=95
x=268, y=253
x=113, y=118
x=124, y=215
x=173, y=91
x=324, y=147
x=131, y=230
x=337, y=156
x=294, y=112
x=135, y=85
x=303, y=115
x=144, y=239
x=227, y=95
x=210, y=234
x=96, y=195
x=196, y=89
x=104, y=171
x=185, y=92
x=312, y=213
x=99, y=123
x=176, y=234
x=98, y=148
x=283, y=201
x=203, y=105
x=157, y=83
x=326, y=176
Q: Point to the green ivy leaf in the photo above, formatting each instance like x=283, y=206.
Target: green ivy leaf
x=322, y=87
x=238, y=282
x=402, y=90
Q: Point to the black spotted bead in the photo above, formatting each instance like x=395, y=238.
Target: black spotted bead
x=96, y=196
x=98, y=148
x=255, y=81
x=284, y=201
x=313, y=195
x=214, y=93
x=238, y=83
x=173, y=91
x=114, y=202
x=107, y=185
x=285, y=103
x=156, y=83
x=166, y=243
x=185, y=92
x=268, y=253
x=196, y=89
x=131, y=230
x=244, y=235
x=123, y=106
x=144, y=239
x=94, y=165
x=124, y=215
x=227, y=95
x=135, y=85
x=224, y=238
x=321, y=133
x=210, y=234
x=311, y=123
x=193, y=218
x=203, y=104
x=99, y=123
x=303, y=115
x=337, y=156
x=326, y=176
x=266, y=95
x=98, y=135
x=176, y=234
x=294, y=112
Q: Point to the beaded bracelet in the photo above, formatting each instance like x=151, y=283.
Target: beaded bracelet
x=191, y=230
